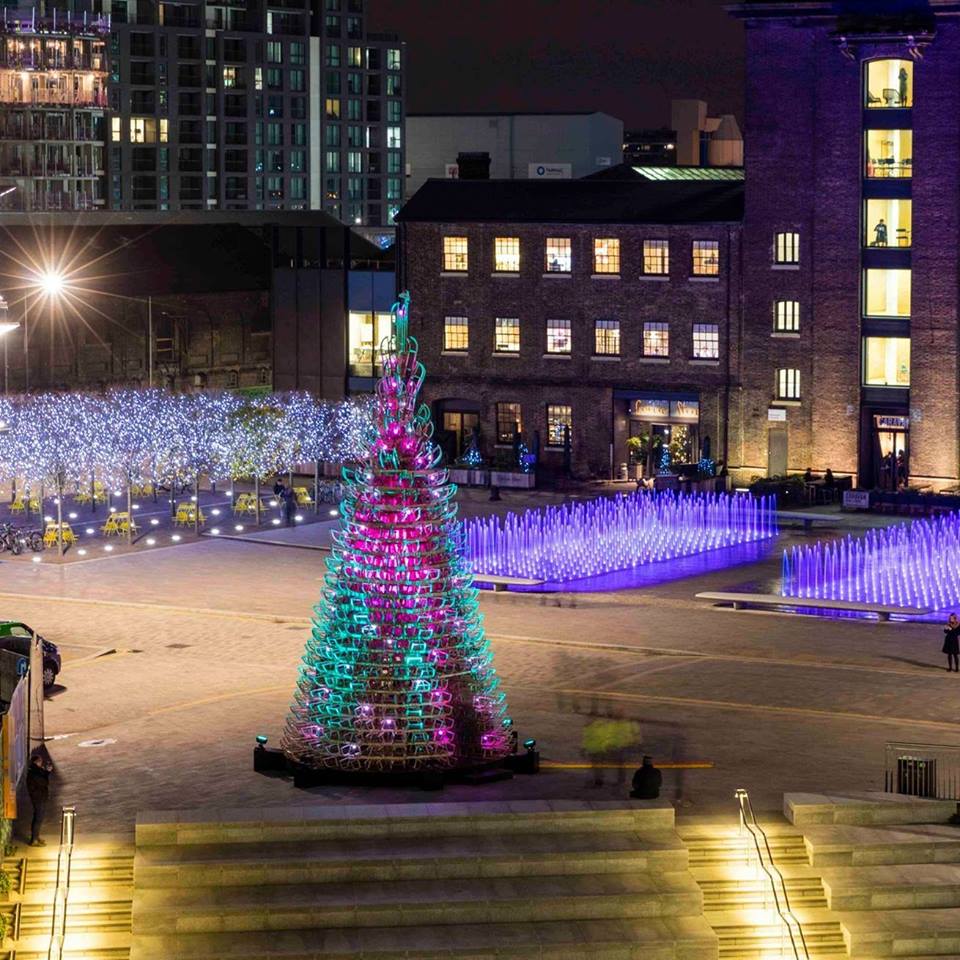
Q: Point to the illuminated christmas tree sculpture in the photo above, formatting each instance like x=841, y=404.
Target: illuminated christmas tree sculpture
x=398, y=676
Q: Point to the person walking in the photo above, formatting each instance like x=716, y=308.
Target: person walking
x=647, y=781
x=38, y=789
x=289, y=504
x=951, y=643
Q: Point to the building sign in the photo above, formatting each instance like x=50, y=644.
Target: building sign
x=654, y=408
x=685, y=409
x=885, y=422
x=451, y=171
x=549, y=171
x=856, y=499
x=777, y=414
x=604, y=161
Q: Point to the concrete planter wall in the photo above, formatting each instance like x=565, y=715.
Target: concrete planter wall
x=525, y=481
x=469, y=478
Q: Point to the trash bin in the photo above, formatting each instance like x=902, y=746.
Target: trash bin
x=917, y=776
x=622, y=472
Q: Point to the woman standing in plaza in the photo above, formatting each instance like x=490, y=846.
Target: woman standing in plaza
x=951, y=643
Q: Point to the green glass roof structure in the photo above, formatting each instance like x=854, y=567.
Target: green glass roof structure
x=690, y=173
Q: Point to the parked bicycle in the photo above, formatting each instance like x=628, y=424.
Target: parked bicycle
x=15, y=539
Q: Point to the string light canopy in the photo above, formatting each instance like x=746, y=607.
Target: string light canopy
x=133, y=435
x=397, y=677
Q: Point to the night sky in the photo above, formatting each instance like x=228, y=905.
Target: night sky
x=628, y=58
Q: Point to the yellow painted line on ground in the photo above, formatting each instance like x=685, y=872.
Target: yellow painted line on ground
x=690, y=765
x=759, y=708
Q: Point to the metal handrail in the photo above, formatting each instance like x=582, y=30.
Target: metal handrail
x=748, y=819
x=58, y=921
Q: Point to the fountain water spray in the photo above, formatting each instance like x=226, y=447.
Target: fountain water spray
x=578, y=540
x=909, y=565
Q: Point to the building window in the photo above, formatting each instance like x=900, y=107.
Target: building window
x=143, y=130
x=656, y=339
x=559, y=424
x=393, y=136
x=507, y=335
x=275, y=52
x=706, y=341
x=606, y=255
x=455, y=254
x=788, y=384
x=886, y=361
x=393, y=59
x=889, y=84
x=333, y=55
x=506, y=254
x=456, y=334
x=332, y=108
x=354, y=56
x=558, y=336
x=786, y=248
x=706, y=258
x=606, y=338
x=887, y=223
x=298, y=54
x=786, y=316
x=367, y=331
x=115, y=133
x=509, y=423
x=886, y=293
x=558, y=255
x=656, y=257
x=889, y=153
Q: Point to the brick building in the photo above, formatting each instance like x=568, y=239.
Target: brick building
x=850, y=253
x=602, y=308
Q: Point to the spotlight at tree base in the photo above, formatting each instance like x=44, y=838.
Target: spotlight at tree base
x=397, y=679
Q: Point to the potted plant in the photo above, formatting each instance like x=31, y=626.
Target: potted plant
x=638, y=448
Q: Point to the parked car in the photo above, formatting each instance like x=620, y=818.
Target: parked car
x=17, y=636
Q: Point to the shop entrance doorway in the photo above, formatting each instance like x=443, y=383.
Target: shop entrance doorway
x=891, y=451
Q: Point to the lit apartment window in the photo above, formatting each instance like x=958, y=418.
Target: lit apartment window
x=559, y=424
x=231, y=75
x=706, y=341
x=366, y=332
x=889, y=84
x=393, y=138
x=886, y=293
x=607, y=338
x=393, y=59
x=889, y=154
x=886, y=361
x=275, y=51
x=509, y=423
x=456, y=334
x=354, y=56
x=558, y=255
x=506, y=254
x=887, y=223
x=115, y=132
x=332, y=108
x=164, y=127
x=558, y=336
x=606, y=255
x=507, y=335
x=786, y=316
x=656, y=257
x=455, y=254
x=788, y=384
x=656, y=339
x=143, y=130
x=786, y=248
x=706, y=258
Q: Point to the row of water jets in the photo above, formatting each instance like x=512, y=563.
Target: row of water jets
x=585, y=539
x=916, y=565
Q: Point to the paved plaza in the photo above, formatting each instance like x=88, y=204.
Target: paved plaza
x=176, y=658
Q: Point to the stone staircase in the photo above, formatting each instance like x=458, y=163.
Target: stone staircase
x=737, y=899
x=513, y=881
x=100, y=903
x=891, y=870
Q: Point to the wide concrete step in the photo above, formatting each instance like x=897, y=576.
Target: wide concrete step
x=688, y=938
x=728, y=844
x=761, y=934
x=844, y=845
x=414, y=903
x=893, y=887
x=407, y=858
x=901, y=933
x=41, y=871
x=77, y=946
x=100, y=917
x=808, y=809
x=271, y=824
x=721, y=895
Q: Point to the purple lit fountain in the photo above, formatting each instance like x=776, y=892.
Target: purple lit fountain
x=910, y=566
x=580, y=540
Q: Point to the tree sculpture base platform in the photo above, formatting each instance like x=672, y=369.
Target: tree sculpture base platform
x=276, y=762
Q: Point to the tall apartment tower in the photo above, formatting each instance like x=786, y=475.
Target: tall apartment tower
x=850, y=238
x=255, y=104
x=52, y=99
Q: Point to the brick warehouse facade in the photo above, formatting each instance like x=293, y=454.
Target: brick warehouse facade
x=608, y=347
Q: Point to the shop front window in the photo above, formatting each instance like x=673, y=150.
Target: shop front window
x=889, y=84
x=886, y=361
x=559, y=424
x=886, y=293
x=887, y=223
x=509, y=423
x=367, y=332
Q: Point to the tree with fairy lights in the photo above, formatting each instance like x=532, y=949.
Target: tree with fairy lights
x=398, y=674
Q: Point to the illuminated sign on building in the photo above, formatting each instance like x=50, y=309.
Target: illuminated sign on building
x=654, y=408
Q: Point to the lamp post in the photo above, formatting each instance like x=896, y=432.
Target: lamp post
x=6, y=326
x=50, y=283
